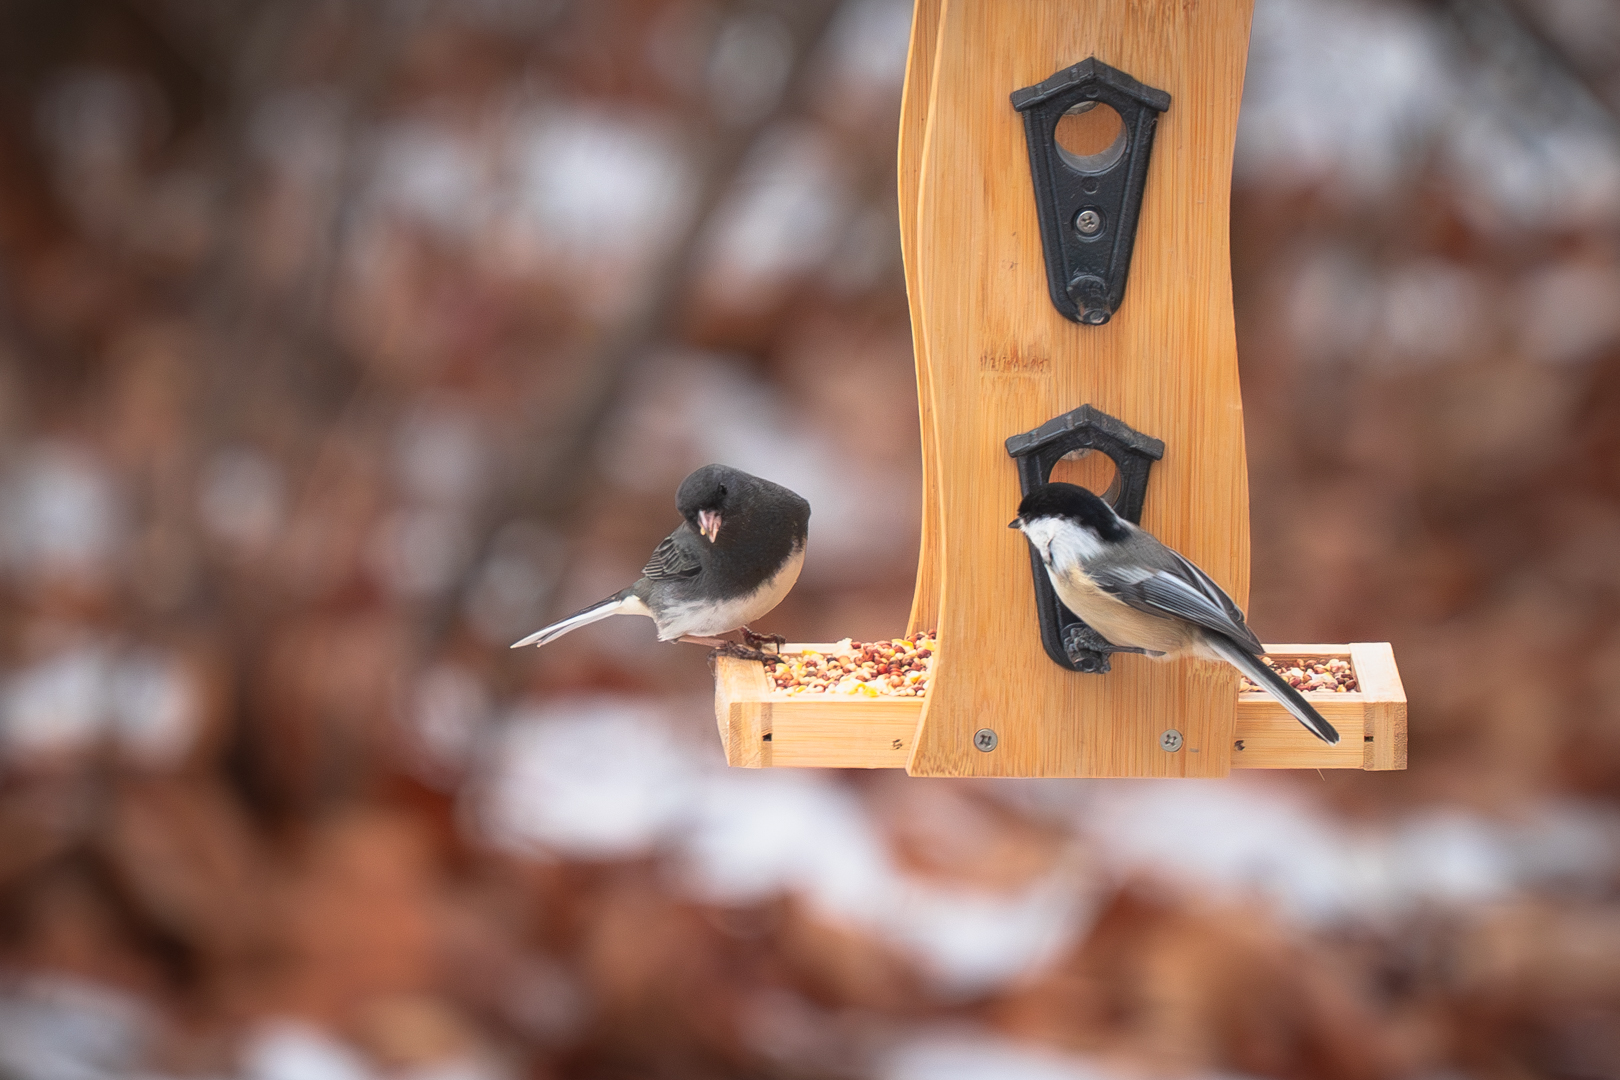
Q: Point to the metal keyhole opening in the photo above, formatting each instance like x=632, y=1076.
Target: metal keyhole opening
x=1091, y=469
x=1090, y=137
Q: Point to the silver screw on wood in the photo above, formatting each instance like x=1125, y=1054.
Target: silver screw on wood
x=1170, y=740
x=984, y=739
x=1087, y=222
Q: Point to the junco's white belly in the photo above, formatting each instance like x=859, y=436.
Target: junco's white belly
x=709, y=619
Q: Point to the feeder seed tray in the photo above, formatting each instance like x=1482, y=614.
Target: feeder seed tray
x=762, y=727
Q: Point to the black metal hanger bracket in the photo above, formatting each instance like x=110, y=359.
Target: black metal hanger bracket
x=1088, y=205
x=1067, y=639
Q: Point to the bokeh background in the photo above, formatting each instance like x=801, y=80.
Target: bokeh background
x=344, y=341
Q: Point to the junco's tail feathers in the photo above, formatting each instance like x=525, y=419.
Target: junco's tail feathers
x=625, y=602
x=1275, y=685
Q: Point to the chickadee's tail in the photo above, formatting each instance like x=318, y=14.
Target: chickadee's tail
x=1276, y=686
x=620, y=603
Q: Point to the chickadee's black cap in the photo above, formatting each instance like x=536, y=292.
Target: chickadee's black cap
x=1074, y=503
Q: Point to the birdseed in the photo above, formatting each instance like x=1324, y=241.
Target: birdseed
x=898, y=667
x=1309, y=675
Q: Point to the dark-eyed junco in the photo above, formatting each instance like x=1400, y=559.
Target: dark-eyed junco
x=733, y=559
x=1139, y=594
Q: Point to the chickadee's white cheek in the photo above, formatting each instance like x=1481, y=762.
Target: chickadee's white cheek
x=1062, y=541
x=1082, y=543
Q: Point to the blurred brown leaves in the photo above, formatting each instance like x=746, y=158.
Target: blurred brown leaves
x=342, y=342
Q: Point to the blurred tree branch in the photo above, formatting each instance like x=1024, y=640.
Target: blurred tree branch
x=554, y=480
x=1513, y=35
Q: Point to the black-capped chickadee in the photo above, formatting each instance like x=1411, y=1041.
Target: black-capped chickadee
x=1139, y=594
x=734, y=557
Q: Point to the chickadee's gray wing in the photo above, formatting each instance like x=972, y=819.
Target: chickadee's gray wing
x=1177, y=589
x=676, y=558
x=1233, y=613
x=1158, y=581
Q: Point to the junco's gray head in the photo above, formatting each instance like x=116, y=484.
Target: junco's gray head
x=706, y=494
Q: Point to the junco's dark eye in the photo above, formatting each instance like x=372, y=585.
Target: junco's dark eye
x=722, y=491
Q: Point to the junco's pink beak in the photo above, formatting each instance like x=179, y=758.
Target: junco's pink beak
x=709, y=524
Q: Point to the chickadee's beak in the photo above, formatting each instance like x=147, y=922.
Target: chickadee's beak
x=709, y=524
x=1016, y=523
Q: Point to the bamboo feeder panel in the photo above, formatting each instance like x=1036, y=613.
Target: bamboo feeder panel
x=1010, y=361
x=914, y=111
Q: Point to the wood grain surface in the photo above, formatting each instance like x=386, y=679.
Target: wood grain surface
x=1000, y=360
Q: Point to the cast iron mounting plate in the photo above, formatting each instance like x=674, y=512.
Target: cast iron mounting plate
x=1088, y=206
x=1067, y=639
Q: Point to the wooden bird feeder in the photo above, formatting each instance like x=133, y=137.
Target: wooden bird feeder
x=1065, y=176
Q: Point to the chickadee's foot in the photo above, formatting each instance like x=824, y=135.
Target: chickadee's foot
x=756, y=640
x=1089, y=651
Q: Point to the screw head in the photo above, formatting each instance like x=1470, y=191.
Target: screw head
x=984, y=739
x=1087, y=222
x=1170, y=741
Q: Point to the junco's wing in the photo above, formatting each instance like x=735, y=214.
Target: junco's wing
x=1177, y=588
x=677, y=557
